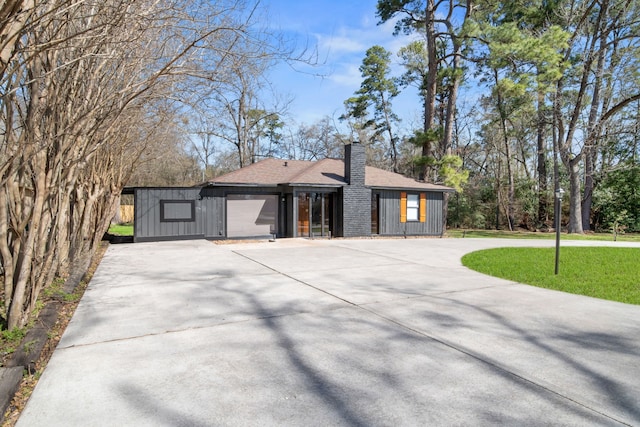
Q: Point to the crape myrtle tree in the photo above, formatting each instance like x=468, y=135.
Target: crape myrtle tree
x=86, y=87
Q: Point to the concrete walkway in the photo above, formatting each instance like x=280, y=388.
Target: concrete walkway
x=328, y=333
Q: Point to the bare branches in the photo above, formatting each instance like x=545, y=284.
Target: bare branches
x=88, y=89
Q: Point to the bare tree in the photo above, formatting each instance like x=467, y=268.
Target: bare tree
x=316, y=141
x=85, y=93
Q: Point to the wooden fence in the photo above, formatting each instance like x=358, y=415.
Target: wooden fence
x=126, y=213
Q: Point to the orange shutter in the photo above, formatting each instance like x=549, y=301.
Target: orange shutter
x=403, y=206
x=423, y=207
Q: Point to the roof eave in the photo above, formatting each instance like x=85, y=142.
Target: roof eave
x=241, y=184
x=439, y=189
x=308, y=184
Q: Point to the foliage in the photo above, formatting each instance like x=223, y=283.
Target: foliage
x=10, y=340
x=376, y=93
x=505, y=234
x=617, y=200
x=435, y=66
x=451, y=172
x=600, y=272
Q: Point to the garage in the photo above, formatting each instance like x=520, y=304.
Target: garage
x=252, y=215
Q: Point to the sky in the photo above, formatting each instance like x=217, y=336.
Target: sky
x=341, y=32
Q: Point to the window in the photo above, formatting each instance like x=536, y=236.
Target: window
x=177, y=210
x=413, y=207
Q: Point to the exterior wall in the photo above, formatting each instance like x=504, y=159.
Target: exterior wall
x=356, y=211
x=215, y=198
x=354, y=164
x=210, y=212
x=351, y=212
x=215, y=219
x=389, y=216
x=289, y=219
x=149, y=225
x=356, y=198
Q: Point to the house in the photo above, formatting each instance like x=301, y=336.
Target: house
x=294, y=198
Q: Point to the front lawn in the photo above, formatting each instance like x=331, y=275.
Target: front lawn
x=121, y=229
x=600, y=272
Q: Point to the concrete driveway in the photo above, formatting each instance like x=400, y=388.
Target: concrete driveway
x=327, y=333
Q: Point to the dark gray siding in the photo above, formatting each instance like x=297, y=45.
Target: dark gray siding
x=389, y=216
x=214, y=198
x=214, y=221
x=149, y=224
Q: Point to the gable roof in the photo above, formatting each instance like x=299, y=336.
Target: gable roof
x=326, y=172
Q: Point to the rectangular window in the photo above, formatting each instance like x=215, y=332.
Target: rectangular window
x=413, y=207
x=177, y=210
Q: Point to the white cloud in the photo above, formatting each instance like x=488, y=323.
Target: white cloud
x=349, y=75
x=340, y=44
x=342, y=32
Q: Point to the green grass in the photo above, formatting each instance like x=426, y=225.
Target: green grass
x=10, y=340
x=600, y=272
x=121, y=229
x=502, y=234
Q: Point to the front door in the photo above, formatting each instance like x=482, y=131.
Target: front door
x=315, y=214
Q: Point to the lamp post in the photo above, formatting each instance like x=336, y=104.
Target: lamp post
x=558, y=214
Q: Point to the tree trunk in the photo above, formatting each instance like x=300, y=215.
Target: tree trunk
x=589, y=185
x=18, y=308
x=543, y=207
x=575, y=212
x=431, y=84
x=593, y=127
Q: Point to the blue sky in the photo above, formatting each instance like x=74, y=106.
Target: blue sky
x=341, y=31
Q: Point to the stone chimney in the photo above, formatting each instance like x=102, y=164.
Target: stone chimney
x=354, y=163
x=356, y=197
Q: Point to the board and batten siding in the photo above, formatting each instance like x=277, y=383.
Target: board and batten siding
x=213, y=201
x=389, y=215
x=149, y=225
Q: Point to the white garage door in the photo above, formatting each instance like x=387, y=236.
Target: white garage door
x=251, y=215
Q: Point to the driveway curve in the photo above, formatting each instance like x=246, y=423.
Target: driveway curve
x=296, y=332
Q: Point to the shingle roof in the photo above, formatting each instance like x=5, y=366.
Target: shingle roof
x=265, y=172
x=326, y=172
